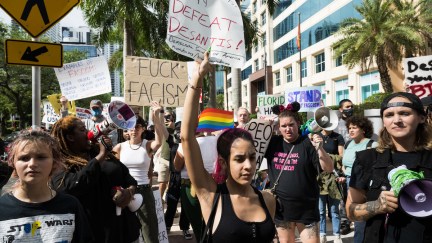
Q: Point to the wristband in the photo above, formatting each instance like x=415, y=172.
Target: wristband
x=162, y=111
x=194, y=88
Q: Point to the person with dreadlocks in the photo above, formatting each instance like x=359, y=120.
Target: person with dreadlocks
x=94, y=180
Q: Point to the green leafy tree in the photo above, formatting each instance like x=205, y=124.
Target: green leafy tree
x=389, y=31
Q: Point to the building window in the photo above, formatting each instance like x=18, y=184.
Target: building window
x=303, y=69
x=261, y=87
x=289, y=74
x=263, y=18
x=320, y=63
x=256, y=65
x=256, y=48
x=341, y=88
x=263, y=2
x=340, y=59
x=254, y=7
x=264, y=39
x=369, y=84
x=229, y=83
x=245, y=91
x=277, y=78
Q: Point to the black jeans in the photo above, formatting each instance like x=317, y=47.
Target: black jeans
x=172, y=199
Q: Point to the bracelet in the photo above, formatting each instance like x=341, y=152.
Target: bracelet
x=162, y=111
x=194, y=88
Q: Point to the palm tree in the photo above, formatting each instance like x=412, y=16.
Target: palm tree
x=388, y=32
x=251, y=37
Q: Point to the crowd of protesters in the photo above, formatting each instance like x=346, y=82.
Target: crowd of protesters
x=63, y=179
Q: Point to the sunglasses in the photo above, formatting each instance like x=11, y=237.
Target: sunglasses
x=136, y=127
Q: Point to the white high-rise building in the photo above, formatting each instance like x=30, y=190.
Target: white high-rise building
x=108, y=50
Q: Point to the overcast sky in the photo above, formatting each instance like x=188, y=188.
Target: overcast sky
x=73, y=19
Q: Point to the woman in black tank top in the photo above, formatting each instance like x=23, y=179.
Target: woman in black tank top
x=243, y=214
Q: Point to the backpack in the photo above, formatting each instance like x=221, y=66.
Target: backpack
x=368, y=145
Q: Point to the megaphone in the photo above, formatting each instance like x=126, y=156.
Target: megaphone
x=136, y=202
x=413, y=191
x=120, y=115
x=324, y=118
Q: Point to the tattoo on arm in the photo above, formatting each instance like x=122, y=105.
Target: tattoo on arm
x=365, y=211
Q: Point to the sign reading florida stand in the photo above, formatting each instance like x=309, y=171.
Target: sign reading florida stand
x=418, y=75
x=84, y=78
x=261, y=131
x=149, y=79
x=194, y=26
x=308, y=97
x=36, y=16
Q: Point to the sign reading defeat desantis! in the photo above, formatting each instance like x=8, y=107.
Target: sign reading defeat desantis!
x=418, y=75
x=150, y=79
x=194, y=26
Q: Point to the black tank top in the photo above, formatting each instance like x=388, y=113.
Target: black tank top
x=233, y=229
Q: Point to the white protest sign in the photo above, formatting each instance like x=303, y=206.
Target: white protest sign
x=84, y=78
x=418, y=75
x=261, y=131
x=163, y=235
x=308, y=97
x=149, y=79
x=266, y=102
x=194, y=26
x=83, y=113
x=49, y=117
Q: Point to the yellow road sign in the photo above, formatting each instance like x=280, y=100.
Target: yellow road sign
x=34, y=53
x=36, y=16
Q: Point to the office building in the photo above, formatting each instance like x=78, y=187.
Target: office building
x=277, y=51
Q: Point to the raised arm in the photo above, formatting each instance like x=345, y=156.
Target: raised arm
x=200, y=178
x=159, y=126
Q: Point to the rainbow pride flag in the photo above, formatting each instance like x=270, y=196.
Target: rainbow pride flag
x=212, y=119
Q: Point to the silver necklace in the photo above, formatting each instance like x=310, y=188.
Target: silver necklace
x=130, y=145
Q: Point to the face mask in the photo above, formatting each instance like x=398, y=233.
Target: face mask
x=96, y=112
x=348, y=112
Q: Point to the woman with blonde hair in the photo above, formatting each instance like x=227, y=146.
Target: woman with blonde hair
x=33, y=211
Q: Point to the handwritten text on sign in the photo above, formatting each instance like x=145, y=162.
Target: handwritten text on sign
x=418, y=75
x=308, y=97
x=261, y=132
x=266, y=102
x=84, y=78
x=150, y=79
x=163, y=235
x=193, y=26
x=49, y=117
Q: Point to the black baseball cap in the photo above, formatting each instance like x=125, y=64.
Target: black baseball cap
x=415, y=104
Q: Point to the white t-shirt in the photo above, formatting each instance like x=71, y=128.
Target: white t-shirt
x=137, y=160
x=208, y=152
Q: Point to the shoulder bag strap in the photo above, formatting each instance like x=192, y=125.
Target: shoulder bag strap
x=273, y=189
x=209, y=226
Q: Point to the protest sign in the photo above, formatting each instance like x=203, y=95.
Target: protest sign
x=83, y=113
x=163, y=235
x=49, y=117
x=194, y=26
x=54, y=99
x=266, y=102
x=418, y=75
x=149, y=79
x=261, y=131
x=309, y=98
x=84, y=78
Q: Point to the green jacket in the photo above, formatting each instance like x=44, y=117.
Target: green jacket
x=327, y=180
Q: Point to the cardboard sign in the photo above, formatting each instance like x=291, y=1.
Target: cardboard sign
x=163, y=235
x=194, y=26
x=50, y=116
x=266, y=102
x=418, y=75
x=149, y=79
x=308, y=97
x=261, y=131
x=84, y=78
